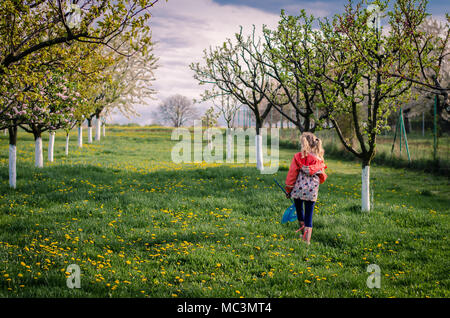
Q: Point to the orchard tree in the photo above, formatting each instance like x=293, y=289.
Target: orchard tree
x=290, y=58
x=133, y=77
x=127, y=81
x=227, y=106
x=353, y=80
x=29, y=27
x=51, y=108
x=29, y=30
x=232, y=69
x=425, y=44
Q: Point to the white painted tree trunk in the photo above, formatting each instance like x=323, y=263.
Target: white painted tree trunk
x=259, y=156
x=229, y=141
x=208, y=137
x=4, y=131
x=12, y=166
x=104, y=130
x=98, y=125
x=51, y=145
x=365, y=189
x=67, y=144
x=38, y=156
x=80, y=137
x=89, y=134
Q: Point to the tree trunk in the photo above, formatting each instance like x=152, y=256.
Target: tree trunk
x=89, y=131
x=365, y=188
x=281, y=120
x=208, y=138
x=229, y=142
x=12, y=156
x=258, y=146
x=307, y=123
x=51, y=145
x=38, y=156
x=104, y=129
x=67, y=144
x=98, y=125
x=80, y=136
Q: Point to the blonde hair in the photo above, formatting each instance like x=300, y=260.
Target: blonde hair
x=311, y=144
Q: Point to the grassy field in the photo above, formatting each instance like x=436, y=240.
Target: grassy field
x=139, y=225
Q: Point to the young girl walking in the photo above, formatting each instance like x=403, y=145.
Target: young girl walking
x=306, y=172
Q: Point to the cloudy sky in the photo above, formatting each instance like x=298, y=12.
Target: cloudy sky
x=184, y=28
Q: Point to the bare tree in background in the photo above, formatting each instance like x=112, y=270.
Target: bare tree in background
x=176, y=111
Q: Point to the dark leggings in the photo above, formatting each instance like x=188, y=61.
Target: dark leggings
x=306, y=215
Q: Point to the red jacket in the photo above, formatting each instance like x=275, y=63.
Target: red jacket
x=314, y=164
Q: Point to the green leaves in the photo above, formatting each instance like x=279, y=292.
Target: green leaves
x=34, y=39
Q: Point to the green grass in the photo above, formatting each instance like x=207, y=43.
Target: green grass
x=139, y=225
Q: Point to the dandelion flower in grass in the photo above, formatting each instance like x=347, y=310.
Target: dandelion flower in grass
x=307, y=281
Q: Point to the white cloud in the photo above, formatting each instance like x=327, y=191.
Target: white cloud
x=183, y=29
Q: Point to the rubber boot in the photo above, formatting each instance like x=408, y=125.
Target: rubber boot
x=307, y=235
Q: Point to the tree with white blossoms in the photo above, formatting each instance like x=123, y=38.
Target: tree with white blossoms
x=29, y=30
x=127, y=82
x=14, y=107
x=83, y=107
x=132, y=79
x=51, y=107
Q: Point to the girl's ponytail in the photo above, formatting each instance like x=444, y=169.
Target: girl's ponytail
x=310, y=143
